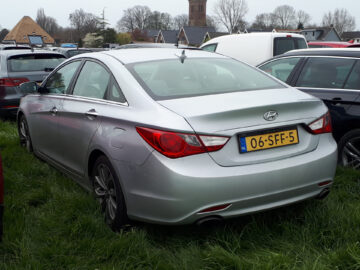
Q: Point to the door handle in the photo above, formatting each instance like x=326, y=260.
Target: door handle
x=91, y=114
x=54, y=111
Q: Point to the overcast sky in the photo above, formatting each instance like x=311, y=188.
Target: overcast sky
x=12, y=11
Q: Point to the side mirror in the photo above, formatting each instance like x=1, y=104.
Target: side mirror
x=28, y=88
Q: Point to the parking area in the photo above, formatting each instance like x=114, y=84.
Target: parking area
x=50, y=222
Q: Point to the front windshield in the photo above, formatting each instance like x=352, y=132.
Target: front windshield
x=169, y=79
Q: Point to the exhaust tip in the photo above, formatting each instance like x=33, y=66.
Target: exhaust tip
x=323, y=194
x=210, y=221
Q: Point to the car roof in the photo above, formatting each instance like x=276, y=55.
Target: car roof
x=9, y=53
x=232, y=37
x=153, y=45
x=345, y=52
x=150, y=54
x=330, y=42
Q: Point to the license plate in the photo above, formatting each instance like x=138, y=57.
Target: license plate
x=268, y=140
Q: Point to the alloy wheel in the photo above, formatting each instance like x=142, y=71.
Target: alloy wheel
x=350, y=155
x=24, y=134
x=105, y=191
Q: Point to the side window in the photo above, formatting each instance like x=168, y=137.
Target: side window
x=281, y=68
x=92, y=82
x=210, y=48
x=354, y=79
x=324, y=72
x=115, y=94
x=59, y=82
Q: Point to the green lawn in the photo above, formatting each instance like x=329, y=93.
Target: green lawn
x=52, y=223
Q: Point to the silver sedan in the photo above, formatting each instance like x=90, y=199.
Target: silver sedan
x=178, y=136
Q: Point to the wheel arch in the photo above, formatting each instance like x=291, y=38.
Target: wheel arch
x=94, y=155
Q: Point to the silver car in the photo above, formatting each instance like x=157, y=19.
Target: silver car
x=179, y=136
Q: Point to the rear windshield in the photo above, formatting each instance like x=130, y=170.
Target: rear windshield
x=284, y=44
x=34, y=62
x=170, y=79
x=15, y=48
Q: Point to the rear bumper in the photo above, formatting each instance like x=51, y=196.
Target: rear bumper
x=8, y=112
x=174, y=191
x=9, y=106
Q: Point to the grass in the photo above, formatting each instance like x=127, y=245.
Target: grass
x=52, y=223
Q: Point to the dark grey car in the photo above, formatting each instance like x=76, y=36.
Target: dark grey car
x=70, y=52
x=18, y=66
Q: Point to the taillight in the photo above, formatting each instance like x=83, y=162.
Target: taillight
x=11, y=82
x=176, y=145
x=321, y=125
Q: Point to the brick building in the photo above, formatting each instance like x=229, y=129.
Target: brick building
x=197, y=12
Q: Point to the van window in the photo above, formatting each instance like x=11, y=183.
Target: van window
x=284, y=44
x=210, y=48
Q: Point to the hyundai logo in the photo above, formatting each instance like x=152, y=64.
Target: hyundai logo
x=271, y=116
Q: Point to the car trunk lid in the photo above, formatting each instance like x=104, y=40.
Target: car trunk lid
x=237, y=114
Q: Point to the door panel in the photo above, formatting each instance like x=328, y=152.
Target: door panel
x=43, y=124
x=325, y=77
x=80, y=115
x=45, y=108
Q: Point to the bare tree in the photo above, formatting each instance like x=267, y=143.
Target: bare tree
x=341, y=20
x=264, y=21
x=180, y=20
x=127, y=22
x=159, y=20
x=3, y=34
x=84, y=22
x=231, y=13
x=302, y=18
x=48, y=23
x=285, y=16
x=211, y=22
x=141, y=14
x=134, y=18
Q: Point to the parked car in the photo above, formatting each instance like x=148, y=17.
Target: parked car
x=70, y=52
x=18, y=66
x=1, y=199
x=255, y=48
x=334, y=76
x=178, y=136
x=331, y=44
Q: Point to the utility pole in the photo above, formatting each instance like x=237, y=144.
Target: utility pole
x=103, y=19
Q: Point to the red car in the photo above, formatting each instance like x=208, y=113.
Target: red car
x=331, y=44
x=1, y=199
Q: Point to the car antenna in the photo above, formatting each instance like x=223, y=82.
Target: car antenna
x=182, y=57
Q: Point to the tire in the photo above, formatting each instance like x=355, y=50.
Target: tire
x=349, y=149
x=107, y=190
x=24, y=135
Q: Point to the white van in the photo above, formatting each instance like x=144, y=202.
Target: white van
x=255, y=48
